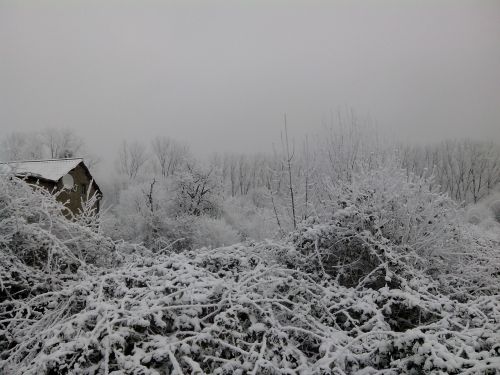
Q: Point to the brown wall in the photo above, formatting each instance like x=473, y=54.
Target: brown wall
x=71, y=198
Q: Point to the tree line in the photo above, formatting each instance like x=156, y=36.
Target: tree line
x=158, y=185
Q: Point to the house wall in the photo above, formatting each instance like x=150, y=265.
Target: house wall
x=72, y=199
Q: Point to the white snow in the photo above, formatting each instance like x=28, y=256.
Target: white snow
x=51, y=169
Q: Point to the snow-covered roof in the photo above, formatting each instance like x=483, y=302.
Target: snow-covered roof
x=51, y=169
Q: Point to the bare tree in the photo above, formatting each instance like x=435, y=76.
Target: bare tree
x=18, y=146
x=169, y=155
x=467, y=170
x=131, y=158
x=46, y=143
x=232, y=175
x=61, y=143
x=307, y=166
x=288, y=161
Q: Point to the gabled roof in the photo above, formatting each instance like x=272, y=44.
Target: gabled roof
x=51, y=169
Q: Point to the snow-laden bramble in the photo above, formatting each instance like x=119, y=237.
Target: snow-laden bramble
x=337, y=297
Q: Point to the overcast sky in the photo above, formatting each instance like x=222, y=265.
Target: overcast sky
x=220, y=74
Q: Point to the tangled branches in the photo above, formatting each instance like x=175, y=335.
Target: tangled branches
x=331, y=300
x=388, y=224
x=230, y=311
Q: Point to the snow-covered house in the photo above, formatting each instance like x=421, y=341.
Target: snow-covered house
x=69, y=178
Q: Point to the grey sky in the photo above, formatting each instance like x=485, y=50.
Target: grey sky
x=220, y=74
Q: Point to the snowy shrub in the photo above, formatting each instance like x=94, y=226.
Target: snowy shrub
x=177, y=233
x=340, y=296
x=250, y=217
x=475, y=215
x=407, y=210
x=198, y=191
x=210, y=232
x=385, y=219
x=34, y=229
x=486, y=209
x=173, y=214
x=353, y=258
x=485, y=215
x=232, y=311
x=259, y=197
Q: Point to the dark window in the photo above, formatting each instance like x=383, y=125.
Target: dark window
x=83, y=189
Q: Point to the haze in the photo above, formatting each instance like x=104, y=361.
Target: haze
x=219, y=75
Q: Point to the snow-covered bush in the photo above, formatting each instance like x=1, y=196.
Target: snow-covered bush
x=407, y=210
x=340, y=296
x=236, y=311
x=251, y=216
x=175, y=213
x=385, y=222
x=485, y=215
x=495, y=209
x=213, y=233
x=33, y=228
x=198, y=191
x=476, y=215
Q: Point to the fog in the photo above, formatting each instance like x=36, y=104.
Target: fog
x=180, y=227
x=220, y=74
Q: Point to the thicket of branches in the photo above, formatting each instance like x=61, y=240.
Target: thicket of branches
x=160, y=195
x=296, y=181
x=388, y=280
